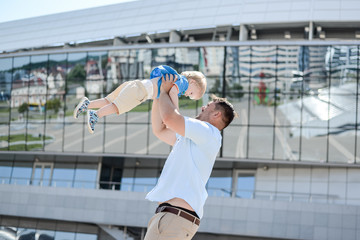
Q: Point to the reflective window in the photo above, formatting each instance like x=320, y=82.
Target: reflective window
x=145, y=180
x=288, y=98
x=5, y=172
x=244, y=184
x=84, y=236
x=63, y=175
x=85, y=176
x=5, y=96
x=59, y=235
x=19, y=229
x=127, y=181
x=42, y=174
x=219, y=183
x=21, y=173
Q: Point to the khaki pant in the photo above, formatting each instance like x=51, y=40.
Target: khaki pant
x=166, y=225
x=128, y=95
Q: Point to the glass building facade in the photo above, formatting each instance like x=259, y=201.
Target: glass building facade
x=295, y=103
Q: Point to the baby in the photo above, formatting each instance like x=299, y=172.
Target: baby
x=132, y=93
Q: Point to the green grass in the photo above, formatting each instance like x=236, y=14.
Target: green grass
x=22, y=147
x=21, y=137
x=4, y=110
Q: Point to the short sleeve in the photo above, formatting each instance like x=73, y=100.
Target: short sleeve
x=199, y=131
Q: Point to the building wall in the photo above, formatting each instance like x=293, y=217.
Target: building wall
x=137, y=17
x=227, y=216
x=317, y=184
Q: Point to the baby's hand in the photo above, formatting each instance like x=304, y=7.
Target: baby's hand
x=167, y=82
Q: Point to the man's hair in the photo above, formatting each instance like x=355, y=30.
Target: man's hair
x=227, y=109
x=199, y=79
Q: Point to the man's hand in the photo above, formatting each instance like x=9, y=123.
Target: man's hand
x=167, y=82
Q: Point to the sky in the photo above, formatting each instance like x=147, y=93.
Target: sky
x=19, y=9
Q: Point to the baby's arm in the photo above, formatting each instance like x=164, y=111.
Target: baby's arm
x=174, y=96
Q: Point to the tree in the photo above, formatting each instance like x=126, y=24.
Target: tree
x=77, y=74
x=54, y=104
x=23, y=108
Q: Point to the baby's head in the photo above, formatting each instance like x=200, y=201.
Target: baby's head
x=197, y=84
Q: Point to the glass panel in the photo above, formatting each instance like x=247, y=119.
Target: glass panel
x=127, y=181
x=55, y=108
x=85, y=176
x=145, y=180
x=59, y=235
x=261, y=142
x=136, y=138
x=114, y=140
x=313, y=149
x=156, y=146
x=235, y=141
x=120, y=64
x=260, y=114
x=37, y=175
x=5, y=92
x=45, y=235
x=4, y=102
x=341, y=146
x=35, y=138
x=74, y=136
x=96, y=73
x=37, y=87
x=20, y=86
x=245, y=185
x=343, y=107
x=84, y=236
x=211, y=64
x=315, y=65
x=56, y=87
x=55, y=132
x=110, y=177
x=286, y=146
x=21, y=173
x=5, y=70
x=63, y=175
x=5, y=172
x=4, y=137
x=219, y=183
x=25, y=234
x=46, y=178
x=94, y=142
x=76, y=78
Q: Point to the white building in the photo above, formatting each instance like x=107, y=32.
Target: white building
x=289, y=166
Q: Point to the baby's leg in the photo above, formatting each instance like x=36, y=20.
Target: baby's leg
x=107, y=110
x=98, y=103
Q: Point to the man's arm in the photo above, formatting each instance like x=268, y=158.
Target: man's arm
x=174, y=91
x=159, y=129
x=169, y=113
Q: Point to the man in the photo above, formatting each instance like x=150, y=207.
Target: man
x=196, y=142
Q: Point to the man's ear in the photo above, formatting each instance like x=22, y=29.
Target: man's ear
x=217, y=114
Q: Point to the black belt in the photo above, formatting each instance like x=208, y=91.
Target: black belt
x=179, y=212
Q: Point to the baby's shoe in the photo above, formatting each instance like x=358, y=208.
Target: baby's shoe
x=81, y=107
x=92, y=120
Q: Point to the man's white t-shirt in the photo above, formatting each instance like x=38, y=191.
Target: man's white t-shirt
x=189, y=165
